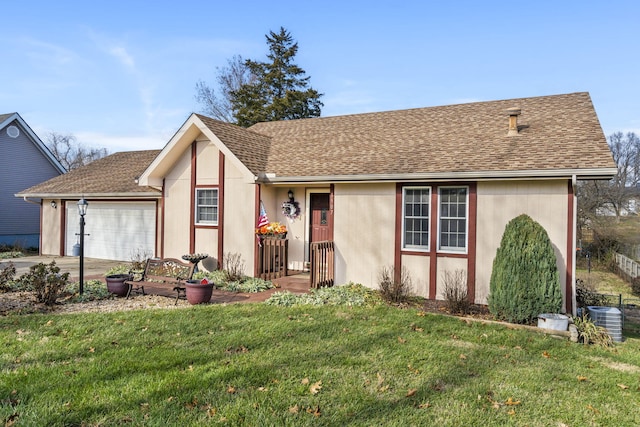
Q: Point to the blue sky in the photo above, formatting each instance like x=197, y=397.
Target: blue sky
x=122, y=74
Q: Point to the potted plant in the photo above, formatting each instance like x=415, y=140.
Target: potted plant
x=199, y=291
x=115, y=278
x=273, y=230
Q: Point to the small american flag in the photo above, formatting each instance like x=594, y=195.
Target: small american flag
x=262, y=218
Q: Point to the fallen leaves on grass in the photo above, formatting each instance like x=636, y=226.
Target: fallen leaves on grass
x=411, y=392
x=315, y=411
x=380, y=387
x=511, y=402
x=594, y=410
x=315, y=387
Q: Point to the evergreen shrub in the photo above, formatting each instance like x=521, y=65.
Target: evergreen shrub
x=524, y=280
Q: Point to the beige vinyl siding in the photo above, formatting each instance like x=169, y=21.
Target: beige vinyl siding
x=51, y=235
x=177, y=199
x=447, y=265
x=207, y=163
x=418, y=268
x=207, y=174
x=364, y=231
x=499, y=202
x=239, y=215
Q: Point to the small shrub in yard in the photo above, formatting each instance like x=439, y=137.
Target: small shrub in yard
x=6, y=277
x=455, y=291
x=351, y=295
x=46, y=281
x=93, y=290
x=392, y=289
x=118, y=269
x=586, y=295
x=233, y=266
x=590, y=333
x=248, y=285
x=524, y=279
x=11, y=254
x=217, y=276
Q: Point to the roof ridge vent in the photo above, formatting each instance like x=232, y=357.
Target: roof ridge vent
x=513, y=121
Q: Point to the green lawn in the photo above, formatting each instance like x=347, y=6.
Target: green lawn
x=260, y=365
x=606, y=282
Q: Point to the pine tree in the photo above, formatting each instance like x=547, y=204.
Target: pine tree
x=524, y=280
x=280, y=91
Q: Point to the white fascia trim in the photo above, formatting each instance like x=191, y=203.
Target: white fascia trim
x=39, y=144
x=91, y=195
x=581, y=174
x=148, y=178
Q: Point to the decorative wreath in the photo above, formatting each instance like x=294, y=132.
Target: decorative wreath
x=291, y=209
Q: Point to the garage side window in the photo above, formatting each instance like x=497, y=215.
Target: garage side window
x=207, y=206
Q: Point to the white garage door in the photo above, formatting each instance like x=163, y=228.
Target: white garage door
x=113, y=230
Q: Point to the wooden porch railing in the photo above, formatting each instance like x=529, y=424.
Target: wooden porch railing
x=273, y=259
x=322, y=264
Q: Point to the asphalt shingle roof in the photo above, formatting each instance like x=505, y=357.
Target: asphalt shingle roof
x=556, y=132
x=113, y=174
x=251, y=148
x=4, y=117
x=559, y=132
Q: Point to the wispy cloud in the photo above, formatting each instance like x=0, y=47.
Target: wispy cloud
x=121, y=54
x=47, y=54
x=115, y=143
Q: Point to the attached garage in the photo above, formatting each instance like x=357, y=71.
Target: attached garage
x=122, y=217
x=113, y=230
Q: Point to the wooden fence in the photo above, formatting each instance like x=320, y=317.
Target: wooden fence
x=628, y=266
x=274, y=258
x=322, y=264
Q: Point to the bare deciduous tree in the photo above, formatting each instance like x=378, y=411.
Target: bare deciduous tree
x=230, y=78
x=70, y=153
x=595, y=198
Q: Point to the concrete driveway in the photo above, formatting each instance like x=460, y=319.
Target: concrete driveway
x=93, y=268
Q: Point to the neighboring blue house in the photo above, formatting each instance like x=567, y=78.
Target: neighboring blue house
x=24, y=161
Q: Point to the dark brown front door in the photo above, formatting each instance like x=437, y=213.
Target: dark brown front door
x=321, y=217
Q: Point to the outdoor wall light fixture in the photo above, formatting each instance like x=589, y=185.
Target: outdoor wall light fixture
x=82, y=210
x=290, y=195
x=54, y=205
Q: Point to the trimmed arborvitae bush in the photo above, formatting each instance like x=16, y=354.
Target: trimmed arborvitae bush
x=524, y=280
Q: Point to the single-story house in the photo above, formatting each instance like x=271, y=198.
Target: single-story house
x=24, y=161
x=428, y=190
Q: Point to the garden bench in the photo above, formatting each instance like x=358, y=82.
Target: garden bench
x=163, y=272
